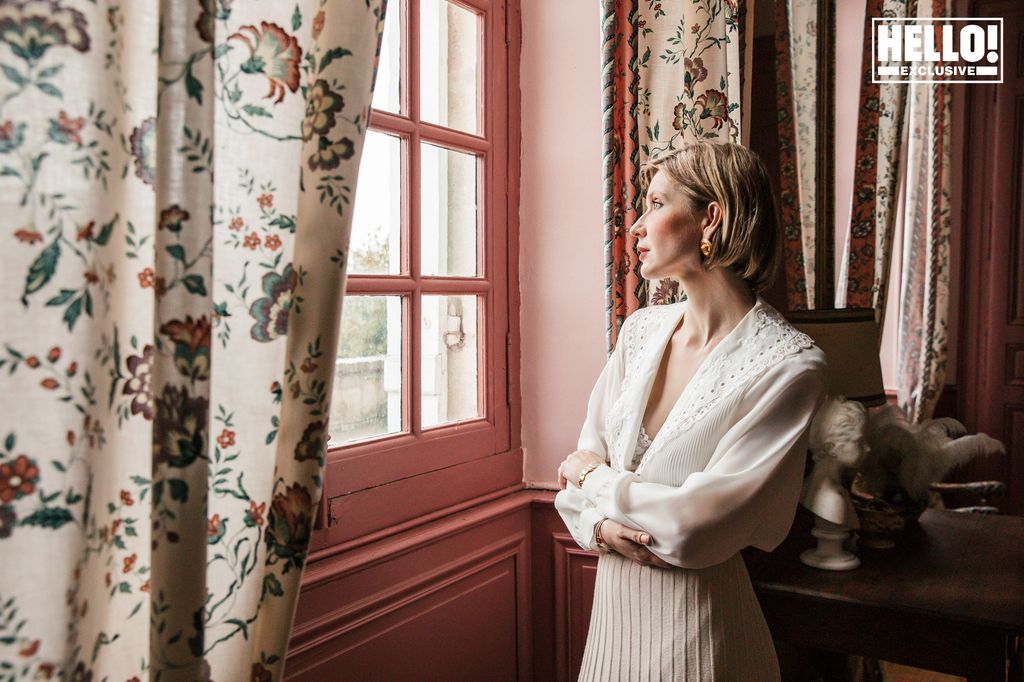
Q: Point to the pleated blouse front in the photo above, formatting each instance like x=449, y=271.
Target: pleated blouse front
x=722, y=473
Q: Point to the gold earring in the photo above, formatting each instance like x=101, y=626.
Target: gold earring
x=705, y=247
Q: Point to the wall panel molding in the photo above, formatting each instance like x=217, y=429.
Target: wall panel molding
x=499, y=591
x=1014, y=202
x=406, y=537
x=575, y=570
x=464, y=628
x=462, y=580
x=401, y=595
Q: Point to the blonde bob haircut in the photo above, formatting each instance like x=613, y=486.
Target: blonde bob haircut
x=749, y=239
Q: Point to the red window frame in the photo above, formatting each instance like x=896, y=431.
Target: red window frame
x=398, y=479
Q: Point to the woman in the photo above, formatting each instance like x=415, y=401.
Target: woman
x=696, y=432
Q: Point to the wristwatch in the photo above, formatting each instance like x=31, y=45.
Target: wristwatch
x=586, y=470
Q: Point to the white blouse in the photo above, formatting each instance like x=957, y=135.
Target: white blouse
x=725, y=470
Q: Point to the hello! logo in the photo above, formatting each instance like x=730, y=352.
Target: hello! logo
x=946, y=50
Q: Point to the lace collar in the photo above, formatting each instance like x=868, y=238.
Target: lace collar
x=762, y=338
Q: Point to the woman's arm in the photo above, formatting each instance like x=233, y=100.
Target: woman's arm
x=747, y=495
x=576, y=510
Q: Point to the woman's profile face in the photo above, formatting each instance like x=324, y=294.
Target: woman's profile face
x=668, y=233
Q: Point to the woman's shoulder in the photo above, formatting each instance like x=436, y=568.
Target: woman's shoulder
x=776, y=343
x=637, y=326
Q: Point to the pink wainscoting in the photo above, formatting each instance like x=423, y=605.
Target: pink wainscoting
x=563, y=592
x=499, y=591
x=446, y=601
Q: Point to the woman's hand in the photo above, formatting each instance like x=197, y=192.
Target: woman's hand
x=570, y=469
x=630, y=543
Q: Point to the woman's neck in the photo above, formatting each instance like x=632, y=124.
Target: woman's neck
x=716, y=301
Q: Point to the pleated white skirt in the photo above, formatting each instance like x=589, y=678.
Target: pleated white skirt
x=696, y=625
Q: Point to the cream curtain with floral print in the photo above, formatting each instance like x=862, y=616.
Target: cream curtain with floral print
x=923, y=333
x=177, y=180
x=671, y=74
x=797, y=64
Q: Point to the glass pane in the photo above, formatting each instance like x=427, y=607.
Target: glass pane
x=367, y=396
x=449, y=361
x=448, y=65
x=376, y=244
x=386, y=92
x=447, y=212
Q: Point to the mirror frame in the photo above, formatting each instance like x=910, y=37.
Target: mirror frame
x=825, y=227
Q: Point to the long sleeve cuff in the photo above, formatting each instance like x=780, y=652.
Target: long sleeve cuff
x=599, y=485
x=579, y=516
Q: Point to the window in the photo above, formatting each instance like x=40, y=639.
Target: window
x=421, y=384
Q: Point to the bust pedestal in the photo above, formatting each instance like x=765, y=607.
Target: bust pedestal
x=829, y=554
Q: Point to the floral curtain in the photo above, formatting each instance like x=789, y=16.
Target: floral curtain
x=864, y=271
x=796, y=78
x=671, y=74
x=924, y=287
x=177, y=180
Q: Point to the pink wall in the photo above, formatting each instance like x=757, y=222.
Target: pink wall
x=849, y=44
x=561, y=230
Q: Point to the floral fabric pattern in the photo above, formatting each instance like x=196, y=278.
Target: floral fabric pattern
x=796, y=69
x=671, y=74
x=175, y=257
x=924, y=290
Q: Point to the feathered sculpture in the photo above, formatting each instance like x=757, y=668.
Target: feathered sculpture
x=904, y=459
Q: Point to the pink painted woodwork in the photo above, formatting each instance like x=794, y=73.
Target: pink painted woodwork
x=494, y=591
x=992, y=297
x=449, y=600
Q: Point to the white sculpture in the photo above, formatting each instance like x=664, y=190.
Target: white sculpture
x=837, y=443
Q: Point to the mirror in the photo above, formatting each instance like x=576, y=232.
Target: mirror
x=804, y=32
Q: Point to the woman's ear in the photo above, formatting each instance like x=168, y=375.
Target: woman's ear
x=712, y=219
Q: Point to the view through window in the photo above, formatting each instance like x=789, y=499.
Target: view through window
x=412, y=339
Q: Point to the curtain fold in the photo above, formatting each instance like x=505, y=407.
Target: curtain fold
x=924, y=287
x=794, y=269
x=177, y=185
x=796, y=77
x=671, y=74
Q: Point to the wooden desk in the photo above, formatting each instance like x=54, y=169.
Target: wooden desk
x=949, y=597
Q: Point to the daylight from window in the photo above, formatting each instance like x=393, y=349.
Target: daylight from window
x=368, y=390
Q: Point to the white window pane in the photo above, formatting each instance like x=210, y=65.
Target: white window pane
x=375, y=245
x=386, y=89
x=367, y=396
x=449, y=73
x=448, y=212
x=449, y=359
